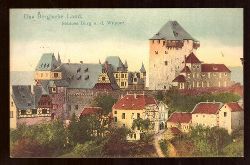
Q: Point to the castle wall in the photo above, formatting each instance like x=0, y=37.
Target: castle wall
x=166, y=60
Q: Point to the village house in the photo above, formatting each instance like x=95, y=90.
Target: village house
x=134, y=106
x=30, y=106
x=179, y=122
x=231, y=116
x=206, y=114
x=124, y=78
x=13, y=114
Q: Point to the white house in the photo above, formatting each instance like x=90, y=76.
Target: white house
x=231, y=116
x=206, y=114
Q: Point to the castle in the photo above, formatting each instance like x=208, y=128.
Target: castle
x=172, y=62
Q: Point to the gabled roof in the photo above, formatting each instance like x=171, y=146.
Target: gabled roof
x=143, y=70
x=91, y=111
x=180, y=78
x=191, y=58
x=134, y=102
x=207, y=108
x=23, y=97
x=172, y=30
x=214, y=68
x=180, y=117
x=80, y=75
x=234, y=107
x=186, y=70
x=116, y=63
x=47, y=62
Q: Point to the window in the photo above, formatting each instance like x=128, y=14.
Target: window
x=123, y=125
x=115, y=112
x=225, y=74
x=53, y=89
x=44, y=111
x=135, y=136
x=115, y=119
x=138, y=115
x=125, y=83
x=166, y=62
x=76, y=107
x=166, y=52
x=198, y=66
x=132, y=116
x=203, y=115
x=122, y=83
x=34, y=111
x=116, y=75
x=123, y=115
x=125, y=75
x=12, y=104
x=103, y=78
x=164, y=87
x=11, y=114
x=135, y=79
x=122, y=75
x=225, y=114
x=55, y=75
x=156, y=52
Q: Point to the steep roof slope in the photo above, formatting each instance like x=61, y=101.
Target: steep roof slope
x=172, y=30
x=116, y=63
x=131, y=101
x=207, y=108
x=47, y=62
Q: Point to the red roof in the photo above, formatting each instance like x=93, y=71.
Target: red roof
x=180, y=78
x=207, y=108
x=90, y=111
x=191, y=58
x=131, y=101
x=186, y=70
x=103, y=86
x=214, y=68
x=175, y=131
x=234, y=107
x=180, y=117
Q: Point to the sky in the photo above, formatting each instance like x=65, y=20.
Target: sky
x=88, y=35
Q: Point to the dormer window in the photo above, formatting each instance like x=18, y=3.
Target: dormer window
x=78, y=70
x=87, y=77
x=166, y=62
x=156, y=52
x=79, y=77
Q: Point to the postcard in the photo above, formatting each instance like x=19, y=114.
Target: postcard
x=126, y=83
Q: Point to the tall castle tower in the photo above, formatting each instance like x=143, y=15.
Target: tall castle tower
x=168, y=49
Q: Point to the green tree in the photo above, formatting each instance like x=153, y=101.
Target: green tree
x=159, y=95
x=141, y=124
x=89, y=149
x=105, y=102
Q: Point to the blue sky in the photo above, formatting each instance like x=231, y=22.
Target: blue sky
x=218, y=30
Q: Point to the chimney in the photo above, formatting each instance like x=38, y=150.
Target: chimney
x=81, y=62
x=135, y=95
x=185, y=57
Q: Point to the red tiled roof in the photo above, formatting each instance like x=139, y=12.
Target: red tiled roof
x=214, y=68
x=234, y=107
x=130, y=102
x=191, y=58
x=186, y=70
x=90, y=110
x=180, y=117
x=179, y=78
x=207, y=108
x=103, y=86
x=175, y=131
